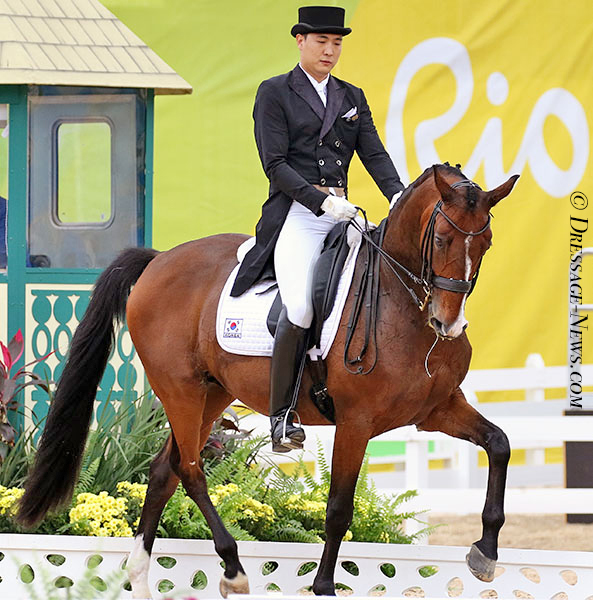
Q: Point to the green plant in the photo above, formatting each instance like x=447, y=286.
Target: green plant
x=268, y=504
x=15, y=466
x=301, y=499
x=226, y=437
x=10, y=387
x=123, y=444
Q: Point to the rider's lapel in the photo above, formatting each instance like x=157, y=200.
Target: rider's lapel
x=335, y=97
x=302, y=86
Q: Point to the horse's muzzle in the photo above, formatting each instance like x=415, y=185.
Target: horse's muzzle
x=447, y=331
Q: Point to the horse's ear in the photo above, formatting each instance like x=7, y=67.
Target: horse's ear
x=446, y=191
x=502, y=191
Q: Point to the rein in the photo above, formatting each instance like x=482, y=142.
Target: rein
x=367, y=294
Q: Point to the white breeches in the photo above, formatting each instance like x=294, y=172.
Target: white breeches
x=297, y=250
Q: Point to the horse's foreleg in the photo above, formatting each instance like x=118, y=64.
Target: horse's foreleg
x=349, y=448
x=457, y=418
x=161, y=485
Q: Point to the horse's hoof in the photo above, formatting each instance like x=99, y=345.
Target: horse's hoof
x=324, y=589
x=480, y=565
x=238, y=585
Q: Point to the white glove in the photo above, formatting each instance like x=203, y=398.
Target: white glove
x=395, y=198
x=339, y=208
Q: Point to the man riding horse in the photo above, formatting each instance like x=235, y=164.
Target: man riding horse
x=307, y=126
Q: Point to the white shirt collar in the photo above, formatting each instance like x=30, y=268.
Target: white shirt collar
x=320, y=86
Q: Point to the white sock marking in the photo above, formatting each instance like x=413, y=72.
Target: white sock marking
x=137, y=568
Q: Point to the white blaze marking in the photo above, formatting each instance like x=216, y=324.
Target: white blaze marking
x=137, y=568
x=468, y=260
x=456, y=328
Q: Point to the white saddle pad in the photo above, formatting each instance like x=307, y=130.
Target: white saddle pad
x=241, y=322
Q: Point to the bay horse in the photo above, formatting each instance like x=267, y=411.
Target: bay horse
x=434, y=240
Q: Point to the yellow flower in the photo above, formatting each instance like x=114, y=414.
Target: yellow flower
x=9, y=498
x=256, y=511
x=222, y=491
x=136, y=491
x=104, y=515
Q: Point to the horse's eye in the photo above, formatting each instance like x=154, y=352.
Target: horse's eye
x=438, y=242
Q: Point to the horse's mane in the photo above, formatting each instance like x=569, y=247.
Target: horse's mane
x=447, y=168
x=454, y=170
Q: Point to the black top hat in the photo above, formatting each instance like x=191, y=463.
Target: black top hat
x=321, y=19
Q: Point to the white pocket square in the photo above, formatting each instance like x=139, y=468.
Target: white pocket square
x=351, y=113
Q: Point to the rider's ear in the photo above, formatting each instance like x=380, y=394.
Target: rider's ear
x=446, y=191
x=502, y=191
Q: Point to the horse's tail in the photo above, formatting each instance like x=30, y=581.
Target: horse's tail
x=51, y=481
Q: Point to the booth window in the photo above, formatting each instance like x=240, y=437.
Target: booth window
x=83, y=195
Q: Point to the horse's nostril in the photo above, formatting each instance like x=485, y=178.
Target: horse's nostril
x=436, y=324
x=465, y=326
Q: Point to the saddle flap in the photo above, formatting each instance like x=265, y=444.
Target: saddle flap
x=274, y=314
x=326, y=276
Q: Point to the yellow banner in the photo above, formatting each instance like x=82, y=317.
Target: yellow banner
x=501, y=88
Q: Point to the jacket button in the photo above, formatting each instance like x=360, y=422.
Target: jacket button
x=339, y=162
x=340, y=182
x=321, y=142
x=337, y=143
x=321, y=162
x=322, y=181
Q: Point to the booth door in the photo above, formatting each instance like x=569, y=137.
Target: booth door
x=83, y=198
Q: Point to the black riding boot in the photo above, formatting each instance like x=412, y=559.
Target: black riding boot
x=290, y=345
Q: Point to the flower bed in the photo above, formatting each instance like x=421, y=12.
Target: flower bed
x=265, y=505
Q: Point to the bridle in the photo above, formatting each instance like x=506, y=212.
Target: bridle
x=367, y=294
x=427, y=279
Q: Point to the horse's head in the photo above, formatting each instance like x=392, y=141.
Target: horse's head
x=455, y=236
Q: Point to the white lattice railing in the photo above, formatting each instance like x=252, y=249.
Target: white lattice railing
x=534, y=573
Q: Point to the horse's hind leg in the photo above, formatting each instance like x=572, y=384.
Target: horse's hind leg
x=161, y=485
x=458, y=419
x=191, y=428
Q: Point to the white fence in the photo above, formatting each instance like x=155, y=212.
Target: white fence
x=419, y=571
x=533, y=425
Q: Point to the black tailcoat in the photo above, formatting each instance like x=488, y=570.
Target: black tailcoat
x=302, y=143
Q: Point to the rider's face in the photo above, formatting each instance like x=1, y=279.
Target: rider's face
x=319, y=52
